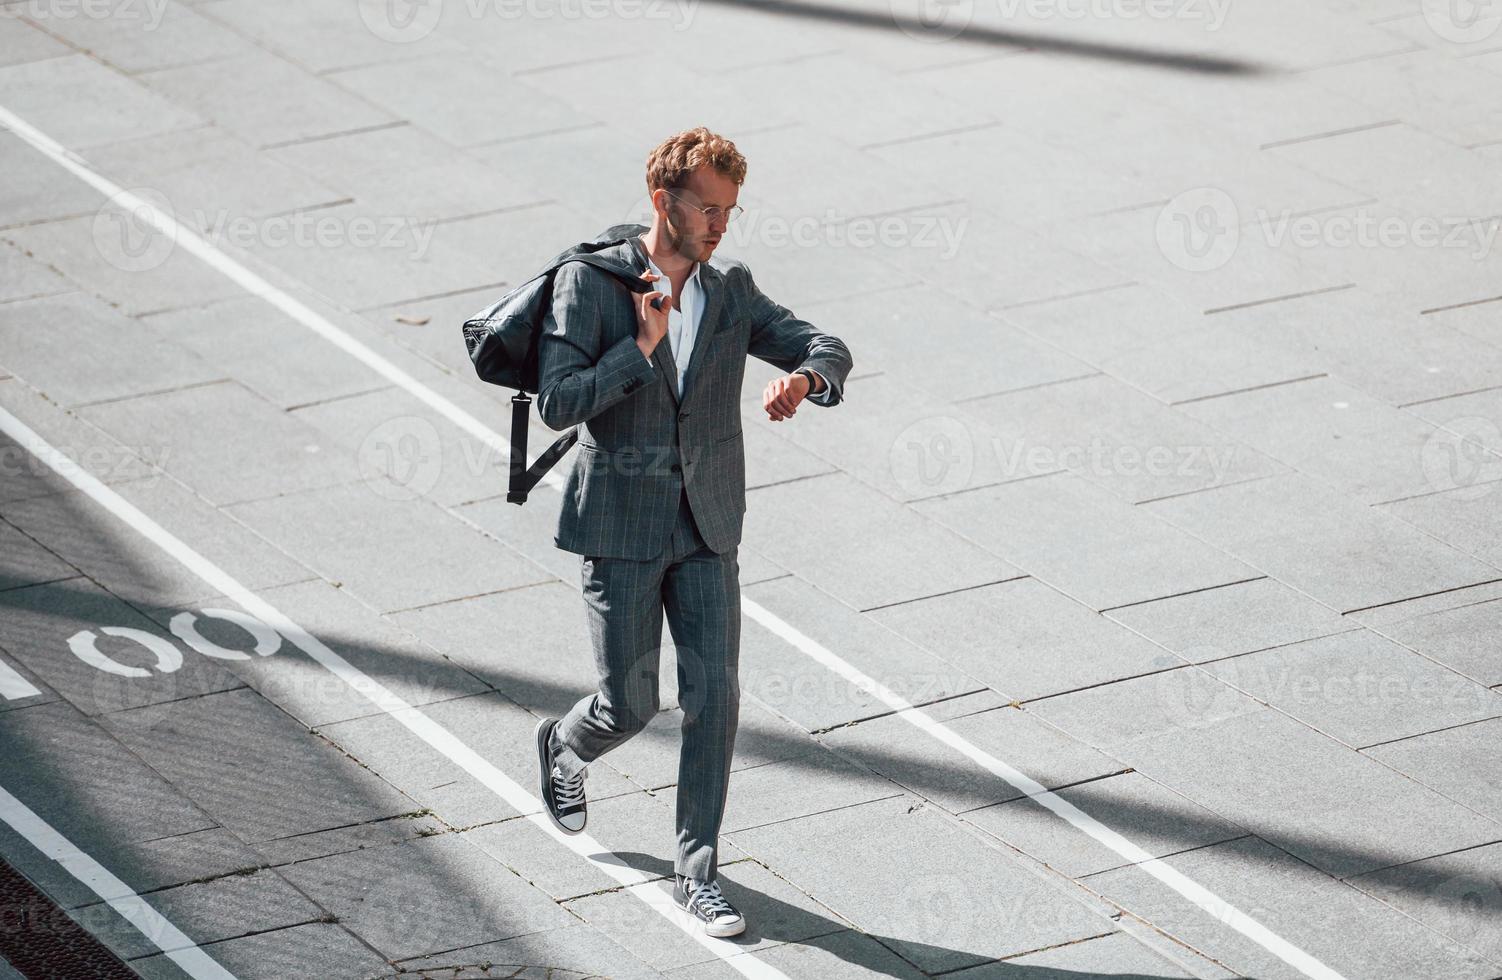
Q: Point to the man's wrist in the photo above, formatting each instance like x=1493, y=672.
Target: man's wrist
x=813, y=380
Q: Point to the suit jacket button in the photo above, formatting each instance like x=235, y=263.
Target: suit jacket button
x=677, y=468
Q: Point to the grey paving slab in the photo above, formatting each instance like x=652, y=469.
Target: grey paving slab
x=1328, y=919
x=428, y=327
x=1355, y=159
x=1305, y=792
x=236, y=335
x=426, y=896
x=797, y=687
x=27, y=475
x=194, y=856
x=1126, y=712
x=115, y=255
x=222, y=908
x=1359, y=687
x=971, y=353
x=1115, y=955
x=26, y=562
x=915, y=556
x=404, y=170
x=501, y=107
x=1479, y=320
x=384, y=652
x=1114, y=435
x=770, y=456
x=34, y=191
x=1084, y=541
x=1459, y=762
x=776, y=913
x=22, y=41
x=94, y=371
x=51, y=628
x=937, y=892
x=1457, y=895
x=1246, y=268
x=837, y=955
x=864, y=103
x=326, y=949
x=122, y=802
x=423, y=453
x=280, y=851
x=903, y=442
x=1426, y=87
x=1231, y=620
x=1304, y=535
x=362, y=256
x=1379, y=617
x=779, y=792
x=1463, y=518
x=225, y=443
x=258, y=772
x=954, y=247
x=324, y=39
x=593, y=167
x=81, y=103
x=579, y=949
x=490, y=725
x=1145, y=812
x=264, y=99
x=1463, y=639
x=1332, y=431
x=102, y=547
x=632, y=823
x=936, y=772
x=1154, y=342
x=25, y=277
x=801, y=269
x=440, y=558
x=143, y=39
x=213, y=180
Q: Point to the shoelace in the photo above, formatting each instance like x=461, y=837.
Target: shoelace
x=709, y=898
x=568, y=791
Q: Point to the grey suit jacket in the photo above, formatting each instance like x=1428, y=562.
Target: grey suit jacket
x=638, y=443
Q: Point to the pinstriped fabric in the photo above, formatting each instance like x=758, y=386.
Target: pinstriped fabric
x=655, y=502
x=625, y=602
x=639, y=442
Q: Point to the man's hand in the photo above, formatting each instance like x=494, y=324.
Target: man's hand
x=651, y=324
x=783, y=394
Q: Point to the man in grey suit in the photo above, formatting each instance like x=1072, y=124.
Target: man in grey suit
x=656, y=496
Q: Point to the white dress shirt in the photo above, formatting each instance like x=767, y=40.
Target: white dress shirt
x=683, y=325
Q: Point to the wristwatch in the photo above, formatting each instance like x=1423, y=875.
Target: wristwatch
x=808, y=373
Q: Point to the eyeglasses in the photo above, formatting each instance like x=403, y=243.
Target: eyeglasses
x=712, y=213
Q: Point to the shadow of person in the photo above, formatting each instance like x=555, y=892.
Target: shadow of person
x=772, y=922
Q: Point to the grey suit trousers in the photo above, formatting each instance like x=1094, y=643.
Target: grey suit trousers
x=624, y=604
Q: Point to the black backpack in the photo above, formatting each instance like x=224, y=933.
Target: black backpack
x=502, y=341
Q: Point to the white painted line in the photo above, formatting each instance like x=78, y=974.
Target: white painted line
x=425, y=728
x=254, y=283
x=116, y=893
x=14, y=687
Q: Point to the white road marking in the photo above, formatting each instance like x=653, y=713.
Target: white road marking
x=116, y=893
x=425, y=728
x=259, y=286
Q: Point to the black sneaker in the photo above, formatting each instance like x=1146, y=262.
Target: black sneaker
x=705, y=902
x=562, y=797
